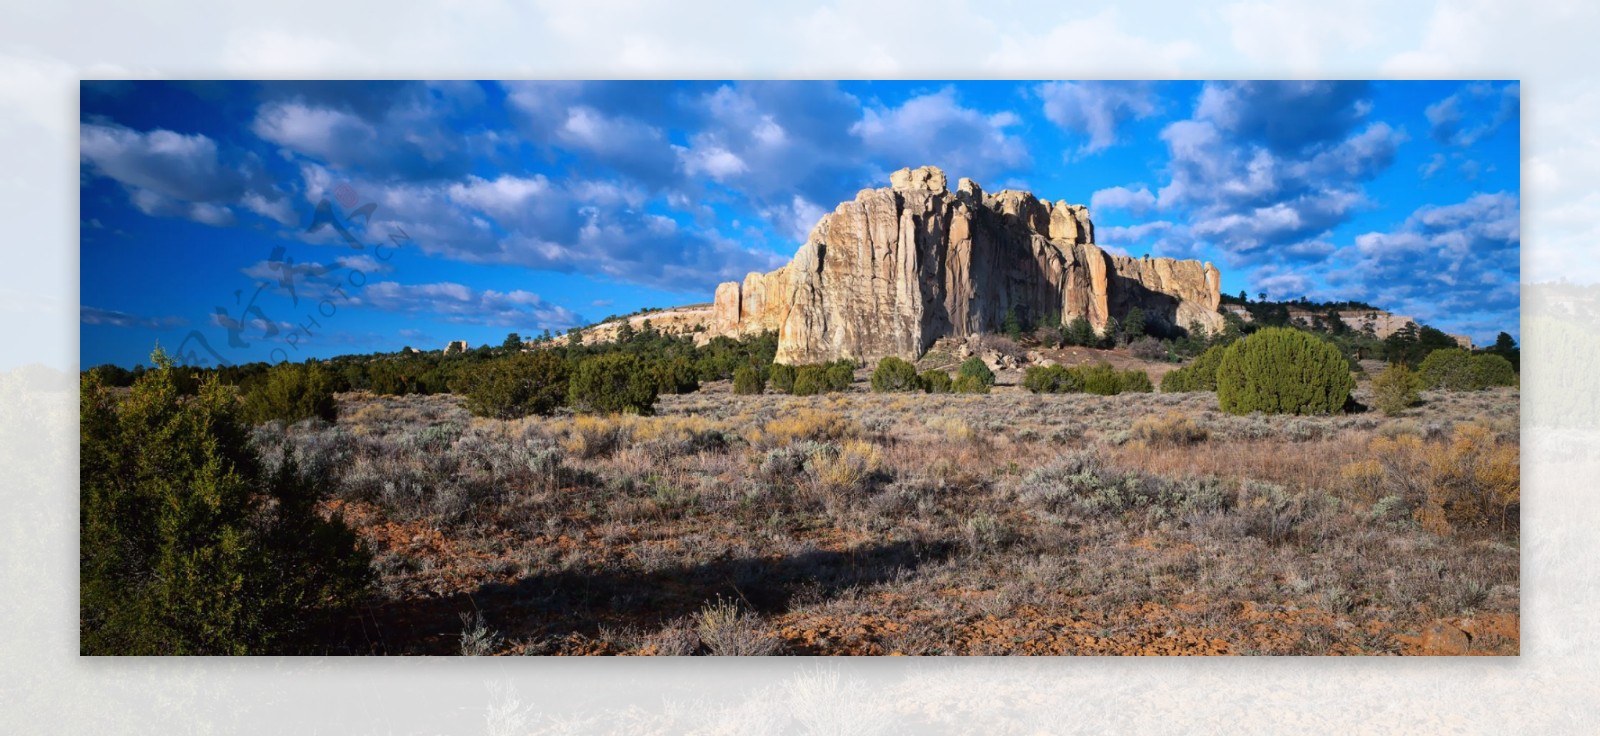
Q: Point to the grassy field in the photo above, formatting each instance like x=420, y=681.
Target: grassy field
x=863, y=523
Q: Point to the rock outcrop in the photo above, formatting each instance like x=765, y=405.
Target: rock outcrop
x=896, y=268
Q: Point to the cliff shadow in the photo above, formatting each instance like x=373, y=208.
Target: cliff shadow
x=1160, y=310
x=558, y=604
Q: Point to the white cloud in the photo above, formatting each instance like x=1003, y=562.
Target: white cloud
x=1122, y=198
x=936, y=129
x=1096, y=109
x=171, y=174
x=712, y=160
x=452, y=302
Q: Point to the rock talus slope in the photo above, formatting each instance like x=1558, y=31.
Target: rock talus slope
x=897, y=268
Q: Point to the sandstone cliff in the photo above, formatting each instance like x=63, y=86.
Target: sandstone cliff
x=896, y=268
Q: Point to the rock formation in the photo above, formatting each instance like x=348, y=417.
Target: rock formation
x=896, y=268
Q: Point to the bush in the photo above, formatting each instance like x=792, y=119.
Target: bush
x=514, y=387
x=1147, y=348
x=615, y=382
x=936, y=382
x=781, y=378
x=1201, y=375
x=1080, y=332
x=894, y=374
x=747, y=380
x=1100, y=379
x=1135, y=381
x=1449, y=369
x=1471, y=481
x=1493, y=370
x=969, y=385
x=676, y=375
x=839, y=374
x=1104, y=380
x=289, y=393
x=1050, y=379
x=975, y=368
x=1283, y=371
x=809, y=380
x=1396, y=388
x=188, y=544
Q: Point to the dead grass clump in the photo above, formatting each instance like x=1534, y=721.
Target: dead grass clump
x=955, y=429
x=803, y=424
x=590, y=435
x=1171, y=429
x=845, y=466
x=729, y=631
x=1471, y=481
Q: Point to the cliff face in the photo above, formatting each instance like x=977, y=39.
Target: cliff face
x=897, y=268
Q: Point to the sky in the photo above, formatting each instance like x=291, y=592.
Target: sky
x=242, y=221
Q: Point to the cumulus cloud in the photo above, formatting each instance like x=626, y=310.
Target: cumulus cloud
x=1448, y=264
x=1097, y=109
x=171, y=174
x=1261, y=167
x=1476, y=112
x=389, y=130
x=936, y=129
x=574, y=225
x=452, y=302
x=1285, y=116
x=1122, y=198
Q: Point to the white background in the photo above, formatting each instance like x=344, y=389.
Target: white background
x=45, y=48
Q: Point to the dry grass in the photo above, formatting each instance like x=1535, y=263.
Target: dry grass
x=929, y=524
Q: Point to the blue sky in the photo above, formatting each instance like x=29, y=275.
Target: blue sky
x=483, y=208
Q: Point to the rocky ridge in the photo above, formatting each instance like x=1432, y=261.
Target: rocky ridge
x=899, y=267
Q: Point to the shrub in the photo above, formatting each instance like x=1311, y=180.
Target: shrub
x=747, y=380
x=188, y=544
x=1100, y=379
x=1396, y=388
x=615, y=382
x=523, y=384
x=975, y=368
x=1135, y=381
x=936, y=382
x=969, y=385
x=1449, y=369
x=1104, y=380
x=809, y=380
x=1050, y=379
x=781, y=378
x=676, y=375
x=1080, y=332
x=1471, y=481
x=1147, y=348
x=839, y=375
x=1493, y=370
x=894, y=374
x=291, y=392
x=1283, y=371
x=1201, y=375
